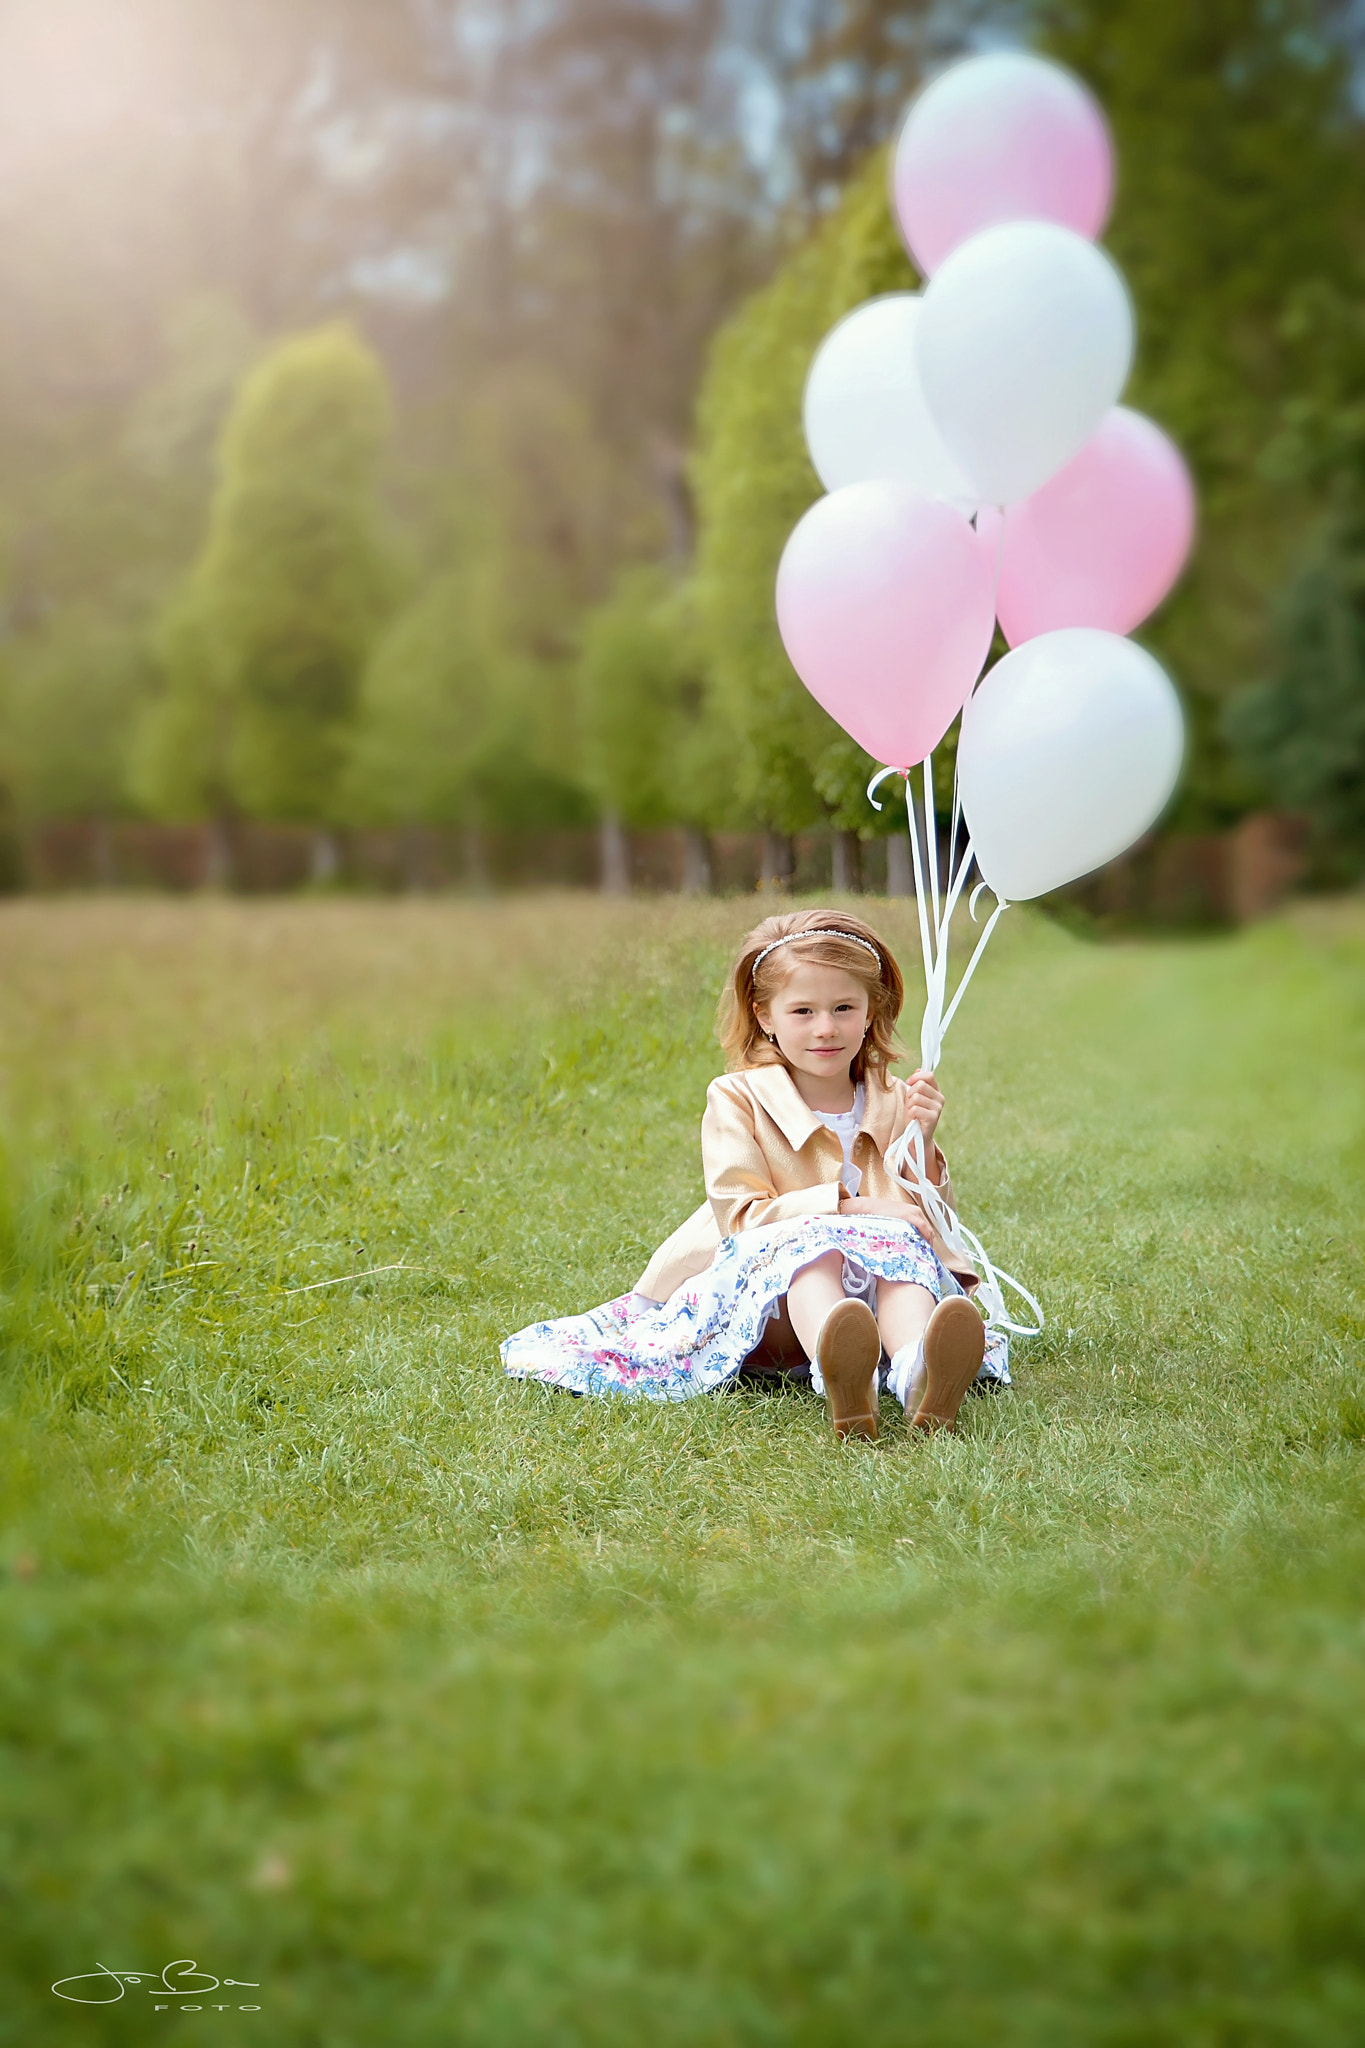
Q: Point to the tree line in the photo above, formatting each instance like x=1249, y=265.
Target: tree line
x=297, y=569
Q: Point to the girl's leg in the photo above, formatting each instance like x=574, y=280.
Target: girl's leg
x=812, y=1294
x=931, y=1377
x=903, y=1310
x=842, y=1343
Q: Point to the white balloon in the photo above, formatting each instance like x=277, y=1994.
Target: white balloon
x=1024, y=344
x=865, y=413
x=1070, y=748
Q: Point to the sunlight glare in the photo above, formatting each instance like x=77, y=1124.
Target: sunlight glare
x=73, y=68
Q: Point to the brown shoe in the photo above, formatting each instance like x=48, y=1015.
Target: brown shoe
x=848, y=1354
x=954, y=1346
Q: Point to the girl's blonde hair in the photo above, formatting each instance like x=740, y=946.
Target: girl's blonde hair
x=753, y=984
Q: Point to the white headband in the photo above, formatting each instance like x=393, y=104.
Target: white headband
x=792, y=937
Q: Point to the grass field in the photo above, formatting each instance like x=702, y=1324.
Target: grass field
x=448, y=1710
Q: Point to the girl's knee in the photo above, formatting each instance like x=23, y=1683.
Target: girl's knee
x=830, y=1263
x=890, y=1292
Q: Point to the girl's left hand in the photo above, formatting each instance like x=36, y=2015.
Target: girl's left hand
x=925, y=1104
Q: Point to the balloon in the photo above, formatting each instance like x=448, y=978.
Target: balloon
x=864, y=411
x=1069, y=750
x=1024, y=344
x=884, y=606
x=999, y=138
x=1102, y=542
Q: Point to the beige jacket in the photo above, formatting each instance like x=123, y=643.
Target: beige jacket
x=767, y=1158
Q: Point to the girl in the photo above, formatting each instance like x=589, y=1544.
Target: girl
x=807, y=1255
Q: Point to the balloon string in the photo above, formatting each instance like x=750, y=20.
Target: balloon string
x=931, y=831
x=935, y=909
x=959, y=882
x=905, y=1164
x=936, y=918
x=944, y=936
x=977, y=951
x=928, y=1034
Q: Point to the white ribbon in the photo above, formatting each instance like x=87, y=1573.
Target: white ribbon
x=905, y=1159
x=905, y=1164
x=935, y=907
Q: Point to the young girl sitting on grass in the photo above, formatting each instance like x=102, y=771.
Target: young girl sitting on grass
x=807, y=1255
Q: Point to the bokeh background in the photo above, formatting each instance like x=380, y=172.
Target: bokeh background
x=399, y=425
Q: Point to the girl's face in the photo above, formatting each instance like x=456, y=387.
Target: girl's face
x=819, y=1019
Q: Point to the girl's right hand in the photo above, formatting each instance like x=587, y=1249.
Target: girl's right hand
x=924, y=1101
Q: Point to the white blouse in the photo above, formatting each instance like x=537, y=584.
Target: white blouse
x=845, y=1124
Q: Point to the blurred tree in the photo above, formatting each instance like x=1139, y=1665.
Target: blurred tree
x=1240, y=210
x=538, y=510
x=705, y=784
x=467, y=711
x=634, y=678
x=753, y=481
x=1240, y=227
x=1302, y=730
x=448, y=731
x=656, y=749
x=163, y=198
x=73, y=696
x=612, y=257
x=264, y=646
x=578, y=185
x=172, y=429
x=579, y=189
x=166, y=147
x=846, y=80
x=95, y=546
x=426, y=714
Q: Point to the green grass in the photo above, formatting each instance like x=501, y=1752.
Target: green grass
x=454, y=1710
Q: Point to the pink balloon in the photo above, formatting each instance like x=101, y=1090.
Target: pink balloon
x=1000, y=138
x=884, y=606
x=1102, y=542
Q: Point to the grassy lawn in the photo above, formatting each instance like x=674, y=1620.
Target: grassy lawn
x=445, y=1709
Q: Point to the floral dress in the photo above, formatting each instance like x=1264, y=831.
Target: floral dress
x=702, y=1335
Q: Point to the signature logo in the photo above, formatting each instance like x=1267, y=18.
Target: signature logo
x=179, y=1980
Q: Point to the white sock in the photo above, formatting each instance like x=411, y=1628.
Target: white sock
x=907, y=1366
x=817, y=1378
